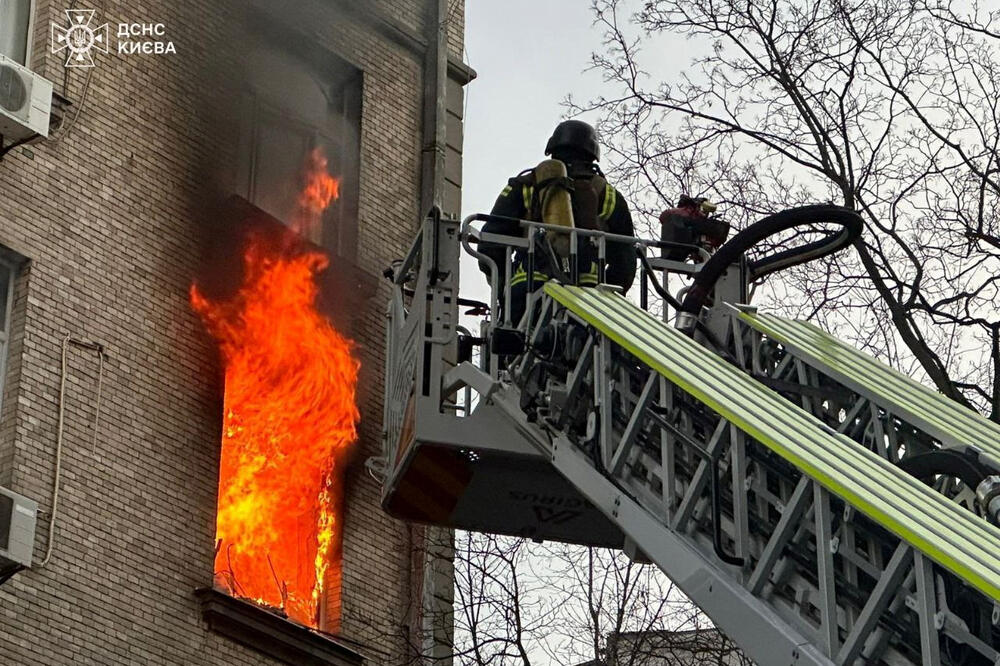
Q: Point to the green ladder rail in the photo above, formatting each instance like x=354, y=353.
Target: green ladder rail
x=954, y=425
x=956, y=539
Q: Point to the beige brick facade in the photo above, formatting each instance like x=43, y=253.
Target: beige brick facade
x=111, y=217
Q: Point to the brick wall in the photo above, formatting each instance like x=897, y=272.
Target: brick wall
x=111, y=217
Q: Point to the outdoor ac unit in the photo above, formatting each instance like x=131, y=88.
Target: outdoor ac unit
x=25, y=102
x=17, y=530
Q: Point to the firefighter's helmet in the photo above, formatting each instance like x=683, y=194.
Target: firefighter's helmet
x=574, y=136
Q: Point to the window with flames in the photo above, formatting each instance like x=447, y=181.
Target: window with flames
x=290, y=411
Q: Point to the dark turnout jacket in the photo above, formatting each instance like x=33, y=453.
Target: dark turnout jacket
x=516, y=201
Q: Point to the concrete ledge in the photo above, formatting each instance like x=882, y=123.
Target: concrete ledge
x=272, y=634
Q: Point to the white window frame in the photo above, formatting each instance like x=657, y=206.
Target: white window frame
x=30, y=37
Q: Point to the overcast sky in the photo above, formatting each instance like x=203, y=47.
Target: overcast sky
x=528, y=55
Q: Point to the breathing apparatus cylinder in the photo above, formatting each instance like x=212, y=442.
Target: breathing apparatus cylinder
x=556, y=204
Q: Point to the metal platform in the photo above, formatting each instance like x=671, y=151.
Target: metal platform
x=452, y=461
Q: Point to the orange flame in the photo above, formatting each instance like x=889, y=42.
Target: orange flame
x=289, y=417
x=319, y=190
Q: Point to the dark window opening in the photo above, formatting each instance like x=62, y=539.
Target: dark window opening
x=10, y=264
x=13, y=299
x=292, y=106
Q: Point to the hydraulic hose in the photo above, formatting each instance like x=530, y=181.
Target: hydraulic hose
x=928, y=466
x=771, y=225
x=672, y=302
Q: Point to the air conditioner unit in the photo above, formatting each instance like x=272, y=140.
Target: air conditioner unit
x=17, y=530
x=25, y=102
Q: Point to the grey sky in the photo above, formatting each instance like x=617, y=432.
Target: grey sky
x=529, y=55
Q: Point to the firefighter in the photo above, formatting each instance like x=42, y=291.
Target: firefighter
x=534, y=194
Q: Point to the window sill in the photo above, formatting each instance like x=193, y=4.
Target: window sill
x=272, y=634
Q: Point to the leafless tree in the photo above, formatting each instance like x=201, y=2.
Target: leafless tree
x=501, y=610
x=519, y=602
x=890, y=107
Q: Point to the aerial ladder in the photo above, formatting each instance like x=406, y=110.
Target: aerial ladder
x=820, y=507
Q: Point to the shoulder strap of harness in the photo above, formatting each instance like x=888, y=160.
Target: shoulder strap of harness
x=524, y=183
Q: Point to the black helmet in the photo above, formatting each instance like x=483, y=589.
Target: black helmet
x=574, y=136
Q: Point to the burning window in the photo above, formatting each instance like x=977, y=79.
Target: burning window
x=290, y=376
x=289, y=418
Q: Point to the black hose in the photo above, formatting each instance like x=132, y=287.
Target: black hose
x=967, y=468
x=657, y=287
x=704, y=281
x=668, y=298
x=720, y=552
x=927, y=466
x=716, y=491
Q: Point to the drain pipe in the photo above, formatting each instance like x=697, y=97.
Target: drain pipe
x=437, y=595
x=432, y=154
